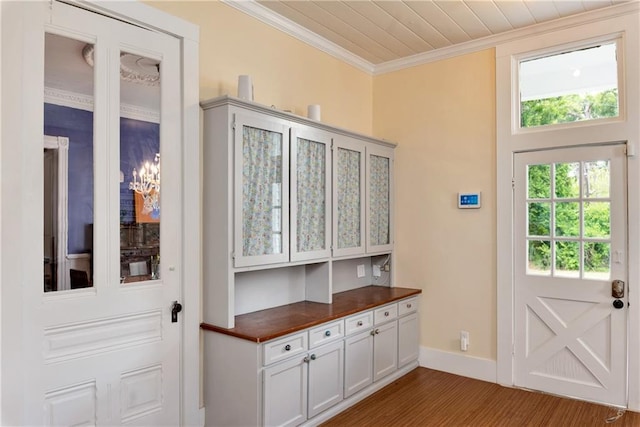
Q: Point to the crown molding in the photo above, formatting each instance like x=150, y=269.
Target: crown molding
x=84, y=102
x=513, y=35
x=267, y=16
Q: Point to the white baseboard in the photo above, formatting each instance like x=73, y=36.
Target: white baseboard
x=459, y=364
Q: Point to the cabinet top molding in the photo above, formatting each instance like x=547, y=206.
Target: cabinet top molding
x=227, y=100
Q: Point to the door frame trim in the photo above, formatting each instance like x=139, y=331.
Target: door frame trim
x=509, y=142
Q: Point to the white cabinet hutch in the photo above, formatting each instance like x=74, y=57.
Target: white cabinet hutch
x=301, y=315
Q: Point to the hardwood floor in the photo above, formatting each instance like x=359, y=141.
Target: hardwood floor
x=425, y=397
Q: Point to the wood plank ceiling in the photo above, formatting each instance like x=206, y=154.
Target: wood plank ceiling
x=382, y=31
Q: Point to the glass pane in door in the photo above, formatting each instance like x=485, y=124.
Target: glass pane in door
x=311, y=206
x=140, y=192
x=379, y=205
x=348, y=203
x=261, y=192
x=68, y=156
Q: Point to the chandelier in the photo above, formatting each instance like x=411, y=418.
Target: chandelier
x=146, y=181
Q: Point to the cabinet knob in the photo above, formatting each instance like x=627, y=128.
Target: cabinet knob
x=409, y=305
x=306, y=359
x=372, y=332
x=327, y=334
x=377, y=331
x=287, y=347
x=359, y=322
x=386, y=314
x=313, y=357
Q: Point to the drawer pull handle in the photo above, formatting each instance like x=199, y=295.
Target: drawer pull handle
x=359, y=322
x=327, y=334
x=287, y=347
x=409, y=305
x=386, y=314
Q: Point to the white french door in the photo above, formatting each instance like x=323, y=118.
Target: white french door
x=570, y=236
x=107, y=352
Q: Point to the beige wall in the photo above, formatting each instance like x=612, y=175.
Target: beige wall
x=443, y=117
x=286, y=72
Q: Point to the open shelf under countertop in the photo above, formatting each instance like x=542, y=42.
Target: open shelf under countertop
x=271, y=323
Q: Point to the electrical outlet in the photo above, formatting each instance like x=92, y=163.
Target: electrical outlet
x=360, y=271
x=376, y=270
x=464, y=340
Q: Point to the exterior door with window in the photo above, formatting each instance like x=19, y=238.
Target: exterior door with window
x=98, y=347
x=571, y=272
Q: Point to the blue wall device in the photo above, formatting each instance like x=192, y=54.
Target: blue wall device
x=468, y=200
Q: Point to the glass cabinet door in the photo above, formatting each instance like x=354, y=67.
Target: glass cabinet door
x=379, y=198
x=348, y=196
x=310, y=194
x=261, y=191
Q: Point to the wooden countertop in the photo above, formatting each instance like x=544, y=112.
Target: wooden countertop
x=271, y=323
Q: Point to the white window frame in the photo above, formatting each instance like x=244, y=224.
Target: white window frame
x=511, y=138
x=616, y=37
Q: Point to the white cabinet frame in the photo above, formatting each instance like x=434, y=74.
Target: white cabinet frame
x=359, y=147
x=386, y=152
x=271, y=125
x=321, y=137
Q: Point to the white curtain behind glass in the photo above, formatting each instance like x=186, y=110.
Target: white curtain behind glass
x=261, y=192
x=310, y=166
x=348, y=198
x=379, y=202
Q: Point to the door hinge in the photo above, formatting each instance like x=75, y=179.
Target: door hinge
x=513, y=183
x=630, y=150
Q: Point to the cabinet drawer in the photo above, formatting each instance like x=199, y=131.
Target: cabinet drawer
x=326, y=333
x=407, y=306
x=284, y=347
x=386, y=313
x=359, y=322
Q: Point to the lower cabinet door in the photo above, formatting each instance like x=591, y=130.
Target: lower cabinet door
x=408, y=339
x=358, y=362
x=285, y=393
x=385, y=350
x=326, y=377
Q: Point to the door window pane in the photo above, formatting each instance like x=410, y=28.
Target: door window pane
x=567, y=180
x=379, y=210
x=539, y=262
x=68, y=166
x=567, y=254
x=349, y=203
x=311, y=182
x=569, y=86
x=539, y=181
x=597, y=219
x=596, y=182
x=539, y=216
x=261, y=192
x=597, y=256
x=140, y=168
x=567, y=219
